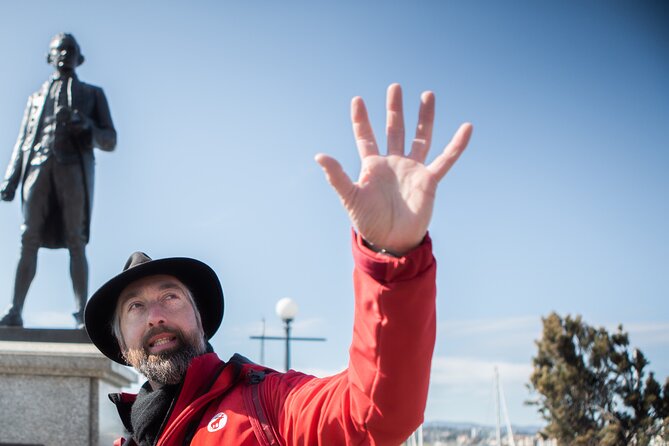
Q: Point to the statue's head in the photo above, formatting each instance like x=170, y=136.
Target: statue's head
x=64, y=52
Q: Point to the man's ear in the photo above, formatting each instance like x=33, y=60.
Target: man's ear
x=48, y=58
x=81, y=59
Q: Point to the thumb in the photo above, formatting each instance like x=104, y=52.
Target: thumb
x=335, y=175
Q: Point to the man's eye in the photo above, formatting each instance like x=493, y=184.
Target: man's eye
x=134, y=306
x=171, y=298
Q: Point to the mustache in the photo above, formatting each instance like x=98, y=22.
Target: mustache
x=160, y=330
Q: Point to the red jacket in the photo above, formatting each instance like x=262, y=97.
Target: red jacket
x=378, y=400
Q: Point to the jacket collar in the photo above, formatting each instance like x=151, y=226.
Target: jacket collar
x=207, y=378
x=57, y=76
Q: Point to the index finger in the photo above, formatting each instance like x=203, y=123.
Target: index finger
x=362, y=129
x=423, y=139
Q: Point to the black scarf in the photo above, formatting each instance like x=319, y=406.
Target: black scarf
x=150, y=410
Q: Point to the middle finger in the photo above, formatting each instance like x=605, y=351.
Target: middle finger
x=394, y=120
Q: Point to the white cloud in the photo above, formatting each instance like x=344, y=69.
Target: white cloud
x=462, y=389
x=487, y=326
x=298, y=328
x=648, y=333
x=475, y=372
x=309, y=325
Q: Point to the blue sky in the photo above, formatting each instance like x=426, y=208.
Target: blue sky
x=560, y=203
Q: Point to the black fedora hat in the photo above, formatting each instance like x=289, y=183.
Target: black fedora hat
x=200, y=279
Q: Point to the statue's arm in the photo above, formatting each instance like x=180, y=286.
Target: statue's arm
x=15, y=167
x=103, y=132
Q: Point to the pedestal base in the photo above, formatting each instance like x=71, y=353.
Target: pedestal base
x=55, y=393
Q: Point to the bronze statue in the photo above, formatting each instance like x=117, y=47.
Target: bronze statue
x=53, y=163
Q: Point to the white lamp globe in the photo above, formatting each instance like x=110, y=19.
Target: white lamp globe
x=286, y=309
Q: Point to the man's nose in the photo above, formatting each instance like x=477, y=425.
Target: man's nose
x=156, y=315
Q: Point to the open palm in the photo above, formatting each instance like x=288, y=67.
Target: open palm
x=391, y=203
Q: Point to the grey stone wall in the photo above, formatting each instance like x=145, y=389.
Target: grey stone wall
x=56, y=393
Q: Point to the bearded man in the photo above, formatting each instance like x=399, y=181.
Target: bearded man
x=158, y=316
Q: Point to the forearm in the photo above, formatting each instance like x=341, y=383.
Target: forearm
x=393, y=340
x=380, y=398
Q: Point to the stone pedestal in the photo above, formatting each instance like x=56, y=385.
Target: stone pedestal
x=55, y=393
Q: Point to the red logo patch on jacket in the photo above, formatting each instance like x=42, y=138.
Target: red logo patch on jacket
x=217, y=422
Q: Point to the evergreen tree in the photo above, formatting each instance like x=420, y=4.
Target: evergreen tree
x=593, y=389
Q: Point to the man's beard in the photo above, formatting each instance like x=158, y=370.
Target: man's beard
x=169, y=366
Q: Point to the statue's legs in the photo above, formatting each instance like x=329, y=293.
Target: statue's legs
x=25, y=273
x=79, y=274
x=35, y=205
x=71, y=195
x=49, y=186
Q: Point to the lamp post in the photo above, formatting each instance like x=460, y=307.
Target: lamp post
x=286, y=309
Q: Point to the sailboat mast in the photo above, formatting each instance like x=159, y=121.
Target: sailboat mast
x=509, y=432
x=498, y=425
x=500, y=406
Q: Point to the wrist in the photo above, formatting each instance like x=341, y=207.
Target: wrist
x=379, y=250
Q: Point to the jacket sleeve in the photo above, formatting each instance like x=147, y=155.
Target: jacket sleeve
x=380, y=398
x=15, y=167
x=103, y=132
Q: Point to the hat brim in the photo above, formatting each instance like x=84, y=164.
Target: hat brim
x=200, y=279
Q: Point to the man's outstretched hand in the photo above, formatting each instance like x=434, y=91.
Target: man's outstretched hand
x=391, y=203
